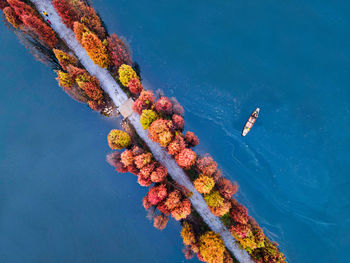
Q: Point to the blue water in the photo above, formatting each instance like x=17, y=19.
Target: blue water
x=60, y=201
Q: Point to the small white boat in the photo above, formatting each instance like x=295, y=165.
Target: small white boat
x=249, y=124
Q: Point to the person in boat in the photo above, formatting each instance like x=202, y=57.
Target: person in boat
x=251, y=120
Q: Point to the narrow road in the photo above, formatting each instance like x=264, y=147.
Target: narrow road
x=110, y=86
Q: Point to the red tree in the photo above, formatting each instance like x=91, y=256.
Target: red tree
x=42, y=30
x=206, y=165
x=118, y=51
x=191, y=139
x=21, y=8
x=164, y=106
x=88, y=17
x=226, y=188
x=135, y=86
x=159, y=174
x=178, y=121
x=66, y=12
x=177, y=145
x=3, y=4
x=157, y=194
x=144, y=102
x=11, y=17
x=186, y=158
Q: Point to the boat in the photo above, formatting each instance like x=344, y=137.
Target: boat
x=250, y=122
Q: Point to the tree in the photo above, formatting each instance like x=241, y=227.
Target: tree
x=142, y=159
x=91, y=89
x=186, y=158
x=221, y=210
x=3, y=4
x=157, y=194
x=126, y=73
x=127, y=157
x=187, y=234
x=212, y=247
x=135, y=86
x=204, y=184
x=30, y=18
x=206, y=165
x=95, y=49
x=182, y=211
x=160, y=222
x=87, y=15
x=64, y=58
x=191, y=139
x=118, y=139
x=164, y=106
x=147, y=117
x=214, y=199
x=65, y=80
x=144, y=101
x=66, y=11
x=144, y=176
x=79, y=29
x=239, y=213
x=41, y=30
x=177, y=145
x=178, y=121
x=174, y=200
x=118, y=51
x=21, y=8
x=159, y=174
x=160, y=131
x=11, y=17
x=226, y=188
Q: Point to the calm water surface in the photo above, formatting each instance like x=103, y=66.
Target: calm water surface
x=60, y=201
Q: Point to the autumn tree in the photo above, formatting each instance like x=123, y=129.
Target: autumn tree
x=36, y=25
x=191, y=139
x=3, y=4
x=187, y=234
x=90, y=85
x=164, y=106
x=64, y=58
x=87, y=15
x=160, y=131
x=186, y=158
x=135, y=86
x=21, y=8
x=118, y=139
x=159, y=174
x=182, y=211
x=178, y=121
x=11, y=17
x=211, y=247
x=66, y=11
x=214, y=199
x=118, y=51
x=95, y=49
x=147, y=117
x=204, y=184
x=42, y=30
x=142, y=159
x=65, y=80
x=79, y=29
x=126, y=73
x=144, y=101
x=177, y=145
x=206, y=165
x=160, y=222
x=156, y=194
